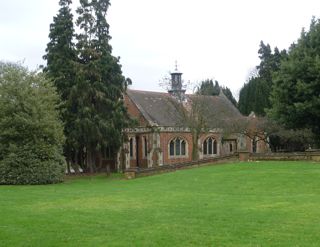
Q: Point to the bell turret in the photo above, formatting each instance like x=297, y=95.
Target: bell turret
x=176, y=84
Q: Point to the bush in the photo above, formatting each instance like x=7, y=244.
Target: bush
x=31, y=134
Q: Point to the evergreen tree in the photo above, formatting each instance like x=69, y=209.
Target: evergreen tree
x=207, y=87
x=60, y=52
x=244, y=100
x=248, y=98
x=31, y=133
x=295, y=96
x=98, y=94
x=227, y=92
x=266, y=60
x=61, y=69
x=255, y=94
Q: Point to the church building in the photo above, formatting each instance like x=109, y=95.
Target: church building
x=176, y=127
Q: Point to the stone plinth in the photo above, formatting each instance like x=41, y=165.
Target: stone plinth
x=130, y=173
x=244, y=155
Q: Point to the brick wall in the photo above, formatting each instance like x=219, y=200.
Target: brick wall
x=165, y=138
x=134, y=111
x=315, y=156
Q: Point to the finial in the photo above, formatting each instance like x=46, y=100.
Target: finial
x=176, y=65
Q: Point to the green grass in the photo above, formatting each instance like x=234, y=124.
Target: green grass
x=241, y=204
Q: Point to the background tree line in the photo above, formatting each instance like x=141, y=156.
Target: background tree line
x=286, y=89
x=255, y=94
x=208, y=87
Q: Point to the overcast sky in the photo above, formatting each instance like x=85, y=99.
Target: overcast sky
x=209, y=38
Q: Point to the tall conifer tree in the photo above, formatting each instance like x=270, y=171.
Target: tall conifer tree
x=61, y=69
x=60, y=52
x=295, y=96
x=100, y=84
x=255, y=94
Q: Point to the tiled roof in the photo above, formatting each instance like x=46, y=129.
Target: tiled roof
x=162, y=109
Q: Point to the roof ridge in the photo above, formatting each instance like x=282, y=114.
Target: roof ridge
x=146, y=91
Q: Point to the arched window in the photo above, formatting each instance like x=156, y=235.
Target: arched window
x=209, y=146
x=178, y=147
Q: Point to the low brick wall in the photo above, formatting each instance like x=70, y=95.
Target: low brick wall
x=139, y=172
x=313, y=154
x=241, y=156
x=308, y=155
x=279, y=156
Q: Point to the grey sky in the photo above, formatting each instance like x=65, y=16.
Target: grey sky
x=208, y=38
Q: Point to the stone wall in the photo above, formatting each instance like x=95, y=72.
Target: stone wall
x=308, y=155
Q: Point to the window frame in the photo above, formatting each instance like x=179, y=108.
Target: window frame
x=210, y=147
x=178, y=148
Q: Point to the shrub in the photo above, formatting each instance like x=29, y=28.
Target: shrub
x=31, y=134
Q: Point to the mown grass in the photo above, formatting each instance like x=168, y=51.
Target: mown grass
x=241, y=204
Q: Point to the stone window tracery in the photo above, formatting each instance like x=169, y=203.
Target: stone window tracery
x=210, y=146
x=178, y=147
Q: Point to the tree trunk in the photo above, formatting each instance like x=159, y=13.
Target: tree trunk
x=89, y=161
x=195, y=153
x=68, y=159
x=68, y=167
x=76, y=162
x=108, y=170
x=100, y=163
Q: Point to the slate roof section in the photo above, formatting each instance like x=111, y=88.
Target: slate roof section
x=161, y=109
x=157, y=108
x=217, y=108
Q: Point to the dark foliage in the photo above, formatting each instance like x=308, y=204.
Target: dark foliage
x=295, y=96
x=208, y=87
x=255, y=94
x=31, y=135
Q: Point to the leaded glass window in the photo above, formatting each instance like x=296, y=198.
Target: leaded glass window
x=178, y=147
x=209, y=146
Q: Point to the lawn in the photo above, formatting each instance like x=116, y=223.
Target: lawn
x=240, y=204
